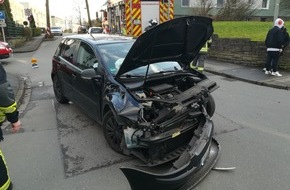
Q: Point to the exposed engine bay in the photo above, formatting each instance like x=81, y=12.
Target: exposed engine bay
x=173, y=108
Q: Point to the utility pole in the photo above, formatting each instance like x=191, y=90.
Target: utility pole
x=48, y=31
x=88, y=11
x=80, y=15
x=276, y=11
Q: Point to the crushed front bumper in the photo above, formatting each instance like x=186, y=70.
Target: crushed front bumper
x=189, y=169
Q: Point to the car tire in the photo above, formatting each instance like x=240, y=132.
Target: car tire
x=58, y=91
x=210, y=106
x=113, y=132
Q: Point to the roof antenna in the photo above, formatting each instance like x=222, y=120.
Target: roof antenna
x=92, y=36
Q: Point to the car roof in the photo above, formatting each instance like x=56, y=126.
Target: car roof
x=98, y=39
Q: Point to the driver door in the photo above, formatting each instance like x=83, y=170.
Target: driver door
x=87, y=91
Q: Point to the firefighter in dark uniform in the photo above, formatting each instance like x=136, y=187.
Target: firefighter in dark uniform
x=8, y=110
x=198, y=62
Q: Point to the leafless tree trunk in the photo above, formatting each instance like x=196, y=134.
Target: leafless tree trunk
x=203, y=7
x=285, y=5
x=88, y=12
x=237, y=10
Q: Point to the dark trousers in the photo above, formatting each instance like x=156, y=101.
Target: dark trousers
x=4, y=178
x=198, y=62
x=272, y=60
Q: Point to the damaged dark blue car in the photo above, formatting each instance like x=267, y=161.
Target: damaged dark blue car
x=148, y=99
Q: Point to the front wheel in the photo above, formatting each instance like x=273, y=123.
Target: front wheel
x=58, y=91
x=113, y=132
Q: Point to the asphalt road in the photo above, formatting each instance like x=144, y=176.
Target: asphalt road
x=59, y=147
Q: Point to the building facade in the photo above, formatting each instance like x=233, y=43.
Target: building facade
x=17, y=10
x=39, y=13
x=264, y=9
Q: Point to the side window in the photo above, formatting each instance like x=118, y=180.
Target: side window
x=69, y=49
x=59, y=48
x=86, y=57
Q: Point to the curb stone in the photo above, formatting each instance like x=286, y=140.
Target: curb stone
x=249, y=81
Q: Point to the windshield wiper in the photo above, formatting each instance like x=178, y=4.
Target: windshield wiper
x=132, y=76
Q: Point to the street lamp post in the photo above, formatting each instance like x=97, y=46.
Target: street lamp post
x=88, y=11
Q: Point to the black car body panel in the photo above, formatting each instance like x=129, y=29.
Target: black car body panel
x=150, y=103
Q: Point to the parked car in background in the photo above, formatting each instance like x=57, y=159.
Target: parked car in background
x=148, y=99
x=82, y=30
x=95, y=30
x=5, y=50
x=56, y=31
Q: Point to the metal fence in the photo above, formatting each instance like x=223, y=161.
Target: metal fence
x=13, y=30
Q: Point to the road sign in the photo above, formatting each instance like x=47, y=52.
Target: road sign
x=2, y=23
x=2, y=15
x=1, y=1
x=27, y=12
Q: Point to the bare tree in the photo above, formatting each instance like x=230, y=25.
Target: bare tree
x=77, y=8
x=285, y=5
x=237, y=10
x=203, y=7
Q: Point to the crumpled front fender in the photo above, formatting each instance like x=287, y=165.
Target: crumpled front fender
x=189, y=169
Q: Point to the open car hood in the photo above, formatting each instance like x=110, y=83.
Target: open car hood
x=179, y=40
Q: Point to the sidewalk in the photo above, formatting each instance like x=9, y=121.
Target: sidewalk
x=252, y=75
x=30, y=46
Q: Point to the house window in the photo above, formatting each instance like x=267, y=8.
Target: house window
x=264, y=3
x=185, y=3
x=220, y=3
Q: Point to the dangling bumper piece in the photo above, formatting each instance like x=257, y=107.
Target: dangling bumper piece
x=189, y=169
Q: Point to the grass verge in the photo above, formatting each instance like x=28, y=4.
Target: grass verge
x=254, y=30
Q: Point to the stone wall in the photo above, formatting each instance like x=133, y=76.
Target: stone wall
x=244, y=52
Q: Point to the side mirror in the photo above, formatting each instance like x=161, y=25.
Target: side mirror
x=89, y=74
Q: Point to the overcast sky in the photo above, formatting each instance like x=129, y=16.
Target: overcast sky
x=67, y=8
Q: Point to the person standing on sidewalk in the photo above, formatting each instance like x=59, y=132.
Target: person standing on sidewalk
x=8, y=110
x=274, y=43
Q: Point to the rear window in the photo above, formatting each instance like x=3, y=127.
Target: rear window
x=55, y=28
x=96, y=30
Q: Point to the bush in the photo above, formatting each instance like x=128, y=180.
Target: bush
x=27, y=33
x=16, y=42
x=68, y=31
x=37, y=31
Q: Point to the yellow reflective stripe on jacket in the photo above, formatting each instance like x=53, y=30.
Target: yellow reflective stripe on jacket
x=205, y=47
x=5, y=110
x=200, y=68
x=7, y=183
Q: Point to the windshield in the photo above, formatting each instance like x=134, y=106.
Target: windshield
x=113, y=55
x=160, y=67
